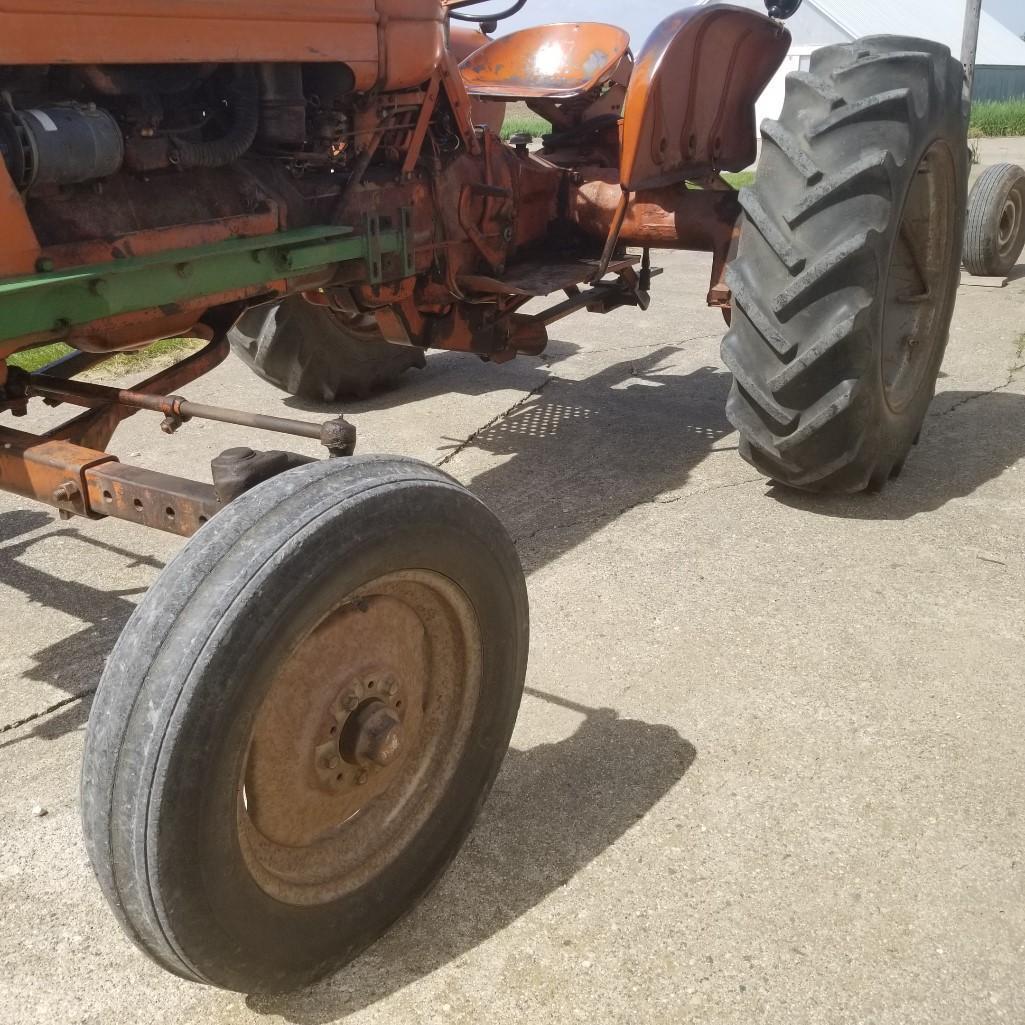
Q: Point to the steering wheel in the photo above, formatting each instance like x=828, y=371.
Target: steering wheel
x=482, y=19
x=782, y=9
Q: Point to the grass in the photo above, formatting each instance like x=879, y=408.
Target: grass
x=520, y=118
x=32, y=360
x=118, y=365
x=741, y=180
x=995, y=119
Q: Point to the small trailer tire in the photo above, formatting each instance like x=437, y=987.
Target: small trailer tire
x=995, y=230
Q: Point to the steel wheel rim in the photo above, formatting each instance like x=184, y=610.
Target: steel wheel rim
x=1011, y=222
x=916, y=288
x=317, y=815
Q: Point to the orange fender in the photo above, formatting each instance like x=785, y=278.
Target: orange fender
x=690, y=107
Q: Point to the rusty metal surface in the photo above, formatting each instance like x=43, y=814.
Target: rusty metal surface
x=345, y=766
x=46, y=469
x=691, y=101
x=549, y=61
x=19, y=247
x=538, y=278
x=391, y=44
x=464, y=40
x=666, y=218
x=671, y=217
x=80, y=481
x=134, y=217
x=172, y=504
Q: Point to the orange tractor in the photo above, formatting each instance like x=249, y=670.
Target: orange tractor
x=301, y=720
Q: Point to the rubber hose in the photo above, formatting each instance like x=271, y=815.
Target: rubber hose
x=244, y=97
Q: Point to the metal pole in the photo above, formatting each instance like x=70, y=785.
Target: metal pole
x=970, y=44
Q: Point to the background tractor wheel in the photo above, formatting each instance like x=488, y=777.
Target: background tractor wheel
x=318, y=354
x=846, y=276
x=995, y=232
x=302, y=719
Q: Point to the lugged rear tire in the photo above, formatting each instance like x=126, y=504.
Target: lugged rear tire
x=847, y=270
x=317, y=354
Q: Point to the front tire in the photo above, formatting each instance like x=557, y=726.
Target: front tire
x=301, y=721
x=319, y=354
x=846, y=276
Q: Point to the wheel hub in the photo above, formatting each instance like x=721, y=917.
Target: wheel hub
x=357, y=734
x=375, y=737
x=1010, y=223
x=917, y=291
x=362, y=733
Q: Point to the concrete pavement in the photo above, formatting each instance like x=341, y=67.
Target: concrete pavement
x=769, y=766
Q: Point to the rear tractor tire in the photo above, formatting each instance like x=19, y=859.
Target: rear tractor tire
x=848, y=265
x=318, y=354
x=995, y=234
x=302, y=719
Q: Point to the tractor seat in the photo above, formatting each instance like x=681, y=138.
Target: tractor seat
x=552, y=62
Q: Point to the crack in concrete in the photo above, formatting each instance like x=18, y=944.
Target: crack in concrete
x=610, y=516
x=983, y=394
x=518, y=404
x=47, y=711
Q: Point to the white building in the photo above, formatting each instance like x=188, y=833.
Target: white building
x=1000, y=65
x=1001, y=59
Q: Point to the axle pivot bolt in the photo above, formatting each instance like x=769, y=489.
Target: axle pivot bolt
x=65, y=492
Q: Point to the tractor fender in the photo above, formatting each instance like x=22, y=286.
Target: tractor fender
x=690, y=106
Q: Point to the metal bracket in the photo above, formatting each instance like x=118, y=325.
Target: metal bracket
x=382, y=240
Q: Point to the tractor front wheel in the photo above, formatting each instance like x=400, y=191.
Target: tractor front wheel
x=319, y=354
x=302, y=719
x=847, y=271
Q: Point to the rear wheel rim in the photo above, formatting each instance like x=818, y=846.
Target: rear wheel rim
x=359, y=736
x=916, y=290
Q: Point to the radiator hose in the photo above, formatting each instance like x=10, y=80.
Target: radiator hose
x=244, y=104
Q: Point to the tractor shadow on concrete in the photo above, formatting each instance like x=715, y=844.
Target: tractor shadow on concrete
x=446, y=373
x=72, y=664
x=583, y=453
x=970, y=438
x=554, y=810
x=580, y=454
